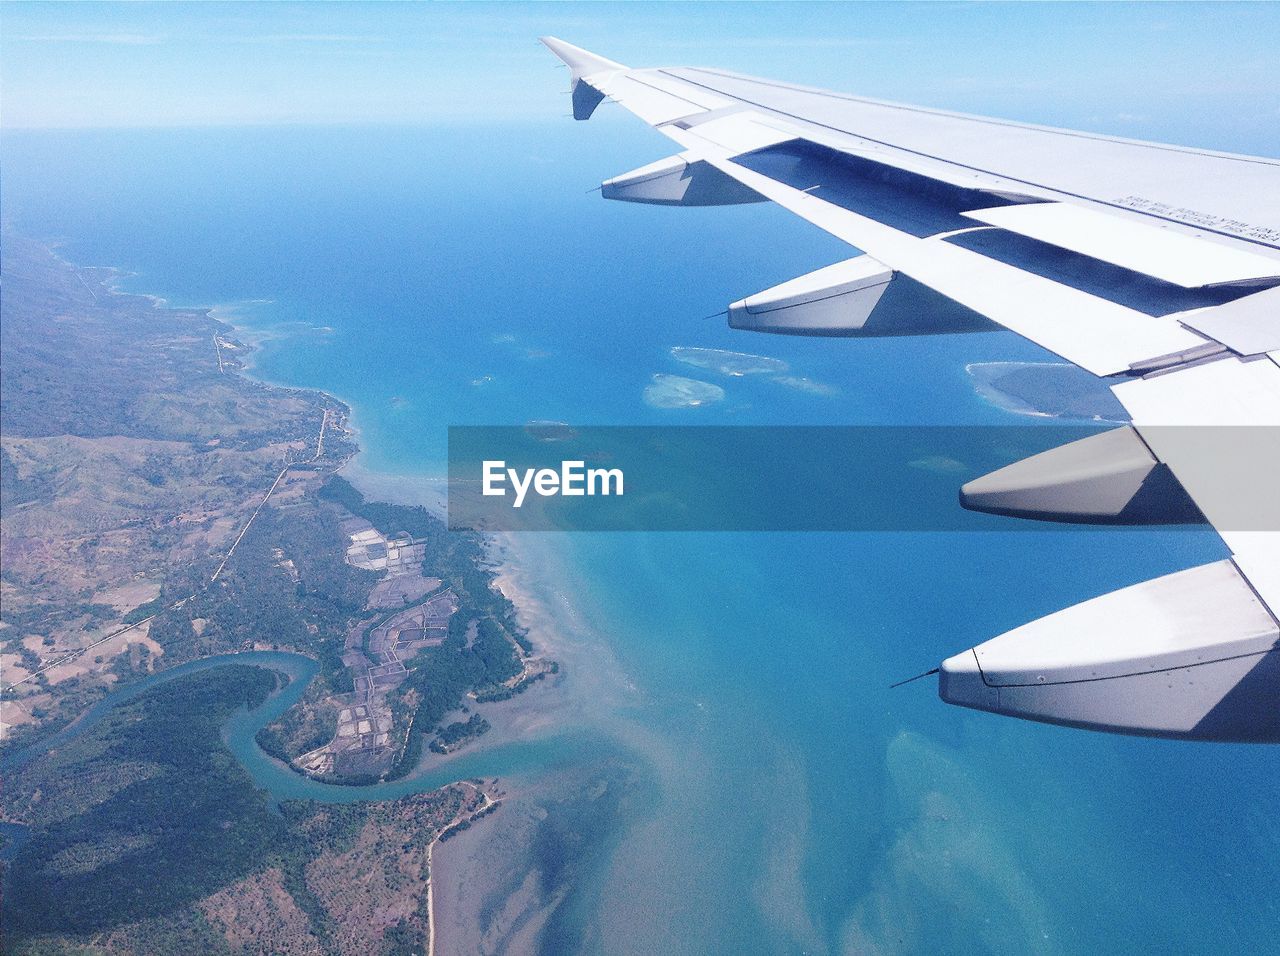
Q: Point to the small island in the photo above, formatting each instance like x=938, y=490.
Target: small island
x=1046, y=390
x=675, y=391
x=735, y=364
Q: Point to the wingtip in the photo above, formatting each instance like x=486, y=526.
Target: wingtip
x=581, y=62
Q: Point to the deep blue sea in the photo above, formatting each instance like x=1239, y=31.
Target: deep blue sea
x=464, y=275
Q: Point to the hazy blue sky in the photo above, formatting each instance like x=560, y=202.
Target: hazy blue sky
x=1195, y=72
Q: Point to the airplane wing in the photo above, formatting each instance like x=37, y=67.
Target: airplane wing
x=1156, y=267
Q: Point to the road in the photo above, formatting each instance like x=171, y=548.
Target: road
x=324, y=422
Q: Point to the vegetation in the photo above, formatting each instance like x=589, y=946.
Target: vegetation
x=309, y=724
x=463, y=825
x=147, y=832
x=459, y=732
x=144, y=611
x=154, y=371
x=142, y=487
x=456, y=556
x=481, y=664
x=193, y=822
x=257, y=600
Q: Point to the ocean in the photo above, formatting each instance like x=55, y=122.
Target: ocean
x=789, y=801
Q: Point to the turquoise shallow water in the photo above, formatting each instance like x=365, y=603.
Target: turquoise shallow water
x=461, y=275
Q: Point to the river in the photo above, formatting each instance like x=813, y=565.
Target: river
x=282, y=783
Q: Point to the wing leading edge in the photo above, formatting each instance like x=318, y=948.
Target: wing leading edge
x=1155, y=266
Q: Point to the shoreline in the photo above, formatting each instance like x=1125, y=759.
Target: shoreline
x=519, y=719
x=336, y=412
x=511, y=562
x=531, y=575
x=224, y=315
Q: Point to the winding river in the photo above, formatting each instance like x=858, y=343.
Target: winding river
x=279, y=780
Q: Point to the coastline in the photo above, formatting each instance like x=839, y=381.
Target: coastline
x=187, y=326
x=529, y=571
x=473, y=871
x=222, y=315
x=524, y=715
x=542, y=606
x=535, y=713
x=485, y=888
x=411, y=490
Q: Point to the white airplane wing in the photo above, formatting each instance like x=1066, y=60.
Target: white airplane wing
x=1155, y=266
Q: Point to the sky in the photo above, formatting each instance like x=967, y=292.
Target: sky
x=1199, y=73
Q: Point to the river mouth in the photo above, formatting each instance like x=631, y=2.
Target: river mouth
x=517, y=758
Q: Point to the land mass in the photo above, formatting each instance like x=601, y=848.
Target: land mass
x=145, y=835
x=160, y=507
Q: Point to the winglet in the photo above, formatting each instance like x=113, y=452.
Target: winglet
x=582, y=64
